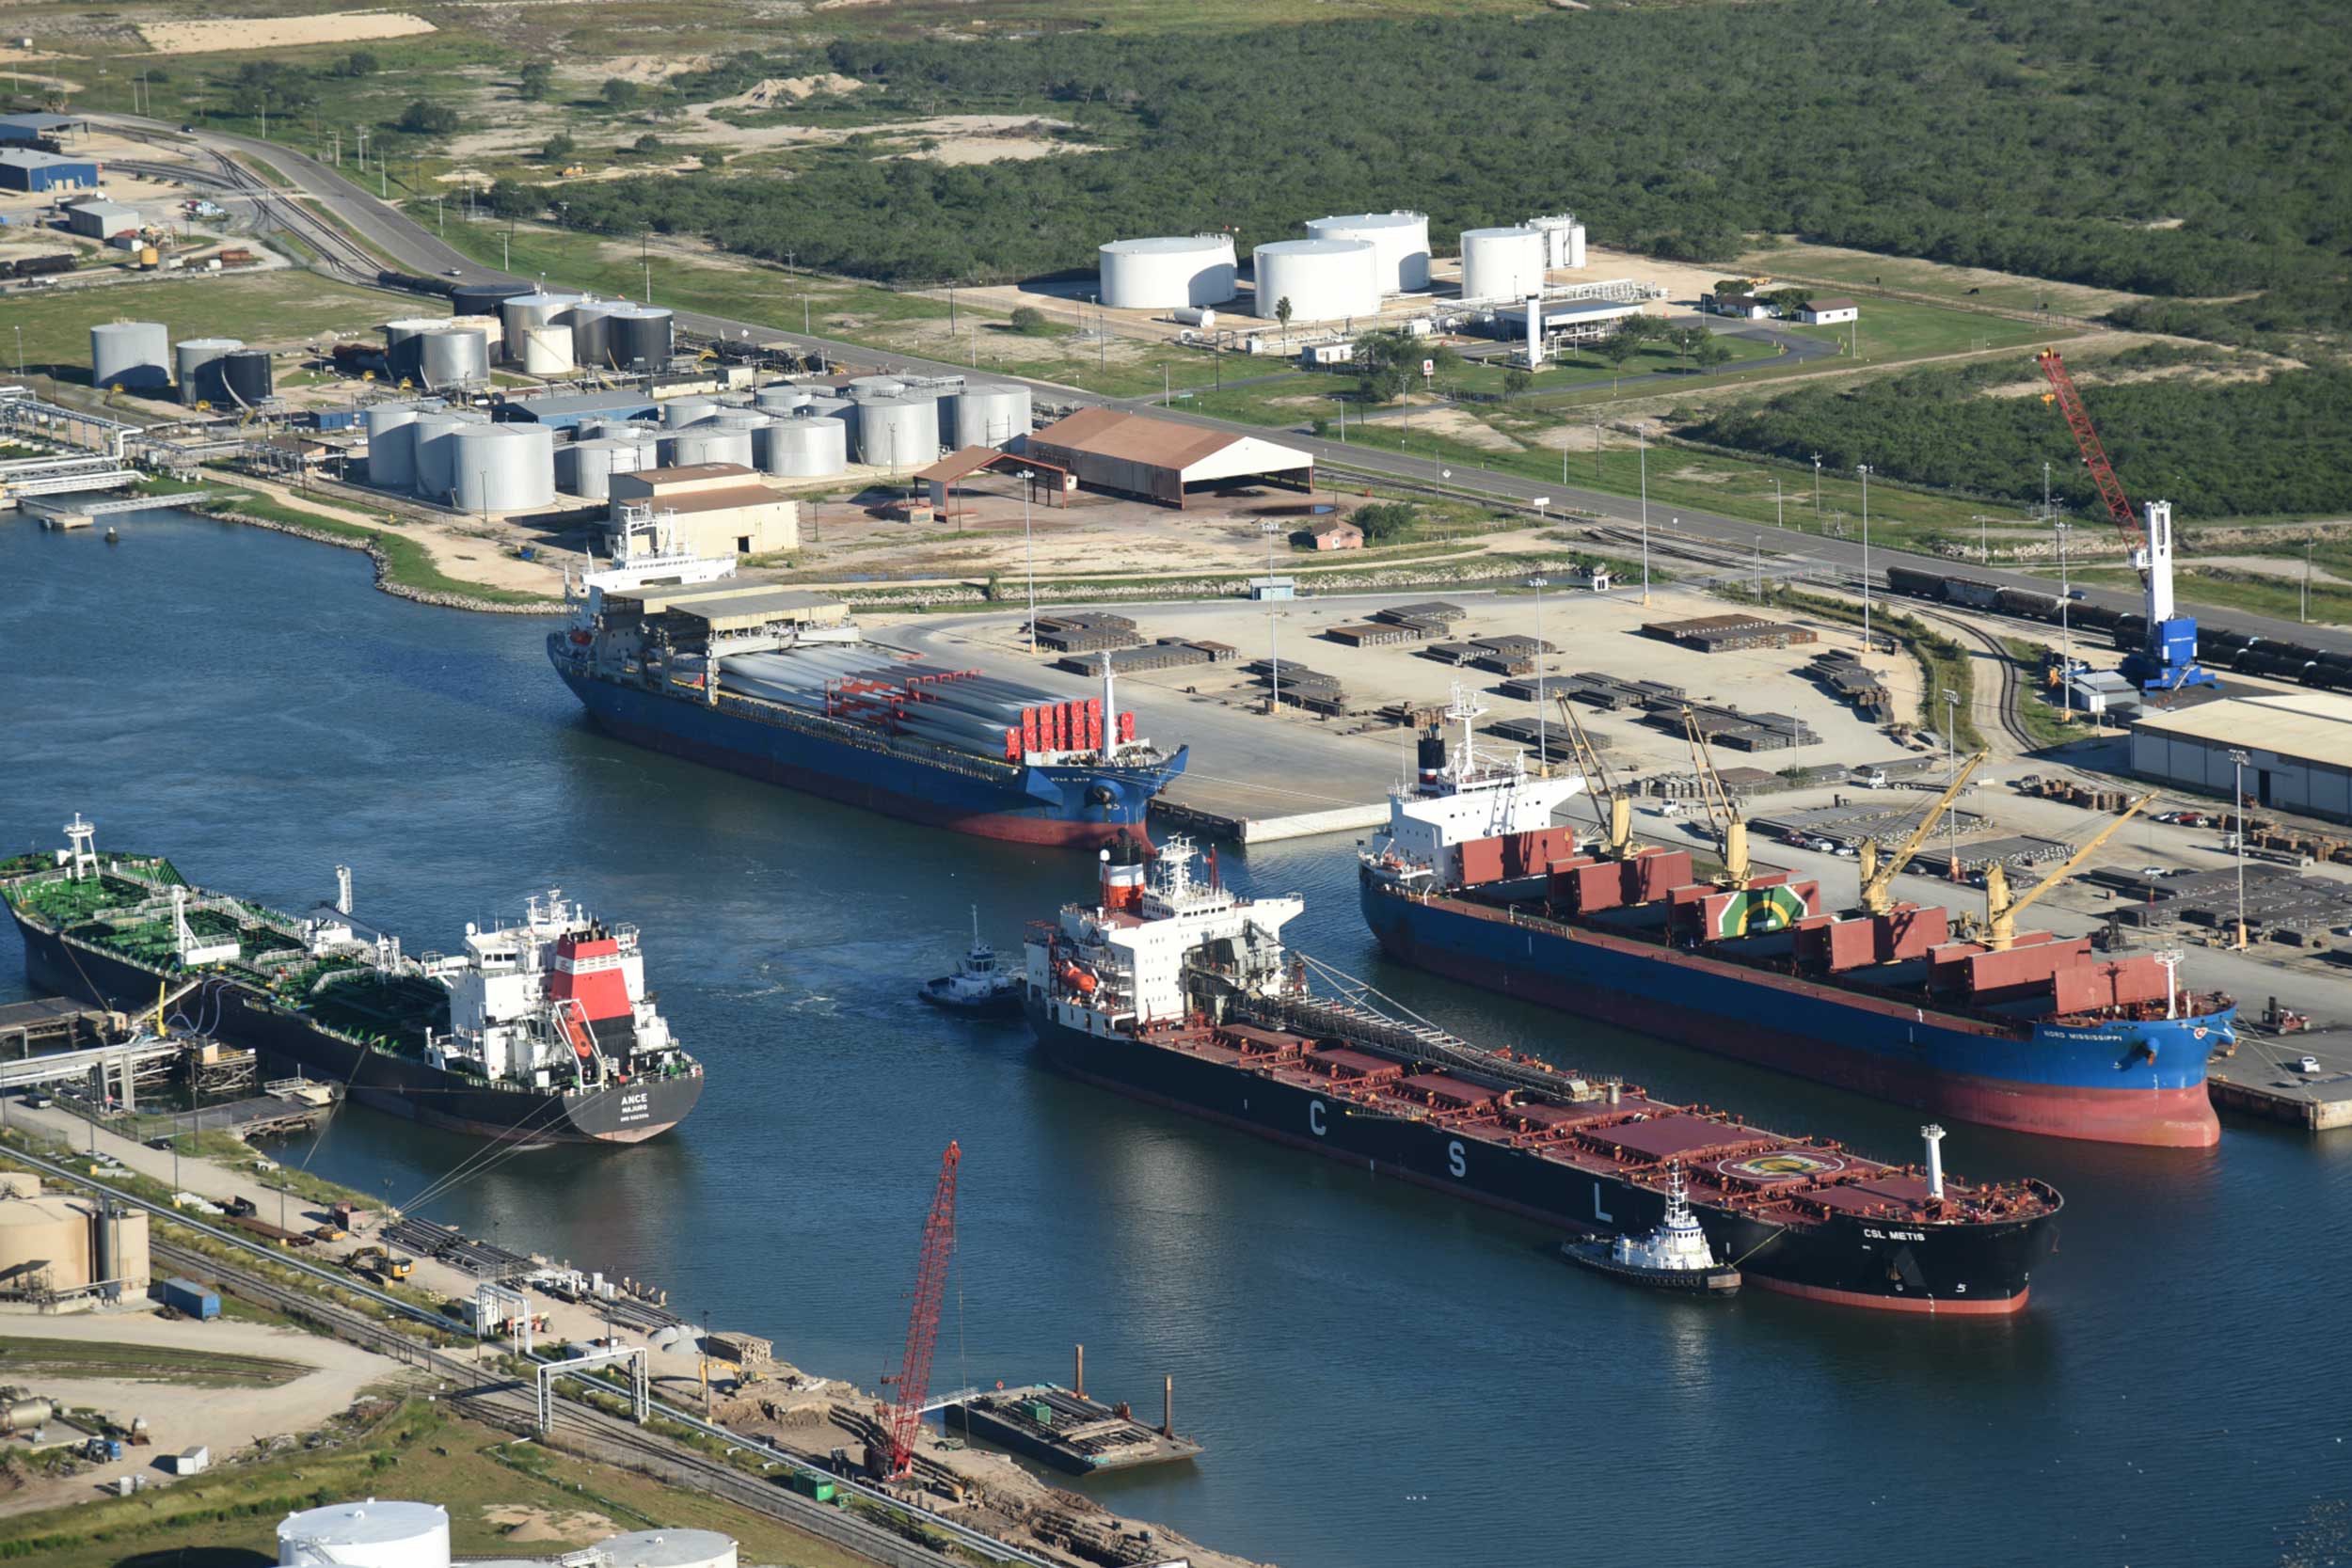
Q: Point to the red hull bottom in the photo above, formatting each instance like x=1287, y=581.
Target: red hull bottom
x=2161, y=1118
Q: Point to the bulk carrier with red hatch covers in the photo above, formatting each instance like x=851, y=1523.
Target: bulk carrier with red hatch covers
x=541, y=1032
x=667, y=653
x=2029, y=1031
x=1172, y=989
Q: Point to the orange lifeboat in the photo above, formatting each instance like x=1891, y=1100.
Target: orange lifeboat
x=1078, y=979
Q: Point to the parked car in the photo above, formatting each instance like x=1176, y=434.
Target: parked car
x=2307, y=1064
x=2153, y=873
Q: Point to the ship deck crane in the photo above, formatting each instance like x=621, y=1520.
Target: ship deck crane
x=1613, y=806
x=1731, y=829
x=902, y=1418
x=1878, y=872
x=2167, y=660
x=2002, y=909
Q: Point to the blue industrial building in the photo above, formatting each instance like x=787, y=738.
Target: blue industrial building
x=32, y=128
x=22, y=169
x=568, y=410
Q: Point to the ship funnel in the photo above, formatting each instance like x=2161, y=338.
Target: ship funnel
x=1934, y=1136
x=1431, y=759
x=1123, y=874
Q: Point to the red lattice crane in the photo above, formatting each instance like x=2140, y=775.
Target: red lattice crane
x=2070, y=404
x=903, y=1417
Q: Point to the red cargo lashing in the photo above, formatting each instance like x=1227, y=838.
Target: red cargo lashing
x=1029, y=739
x=1126, y=727
x=1094, y=723
x=1012, y=745
x=2094, y=986
x=1655, y=872
x=1057, y=716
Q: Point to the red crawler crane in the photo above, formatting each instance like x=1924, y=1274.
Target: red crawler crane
x=904, y=1415
x=2069, y=403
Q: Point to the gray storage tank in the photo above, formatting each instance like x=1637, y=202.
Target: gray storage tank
x=486, y=299
x=436, y=450
x=804, y=449
x=520, y=313
x=133, y=355
x=504, y=467
x=192, y=359
x=404, y=353
x=708, y=441
x=988, y=414
x=246, y=377
x=639, y=336
x=897, y=433
x=455, y=357
x=680, y=412
x=591, y=324
x=391, y=445
x=782, y=398
x=587, y=467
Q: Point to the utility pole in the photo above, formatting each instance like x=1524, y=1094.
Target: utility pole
x=1642, y=441
x=1029, y=548
x=2066, y=628
x=1777, y=521
x=1864, y=469
x=1274, y=624
x=1759, y=568
x=2237, y=822
x=2303, y=613
x=1816, y=489
x=1951, y=767
x=1542, y=736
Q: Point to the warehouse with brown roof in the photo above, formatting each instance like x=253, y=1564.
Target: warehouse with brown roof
x=1162, y=460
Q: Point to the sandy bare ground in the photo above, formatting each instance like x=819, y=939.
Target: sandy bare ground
x=2102, y=375
x=227, y=1420
x=537, y=1524
x=640, y=67
x=226, y=33
x=2289, y=568
x=773, y=91
x=467, y=549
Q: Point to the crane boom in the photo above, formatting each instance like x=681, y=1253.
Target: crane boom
x=1730, y=827
x=2070, y=404
x=1878, y=874
x=2001, y=910
x=903, y=1417
x=1613, y=807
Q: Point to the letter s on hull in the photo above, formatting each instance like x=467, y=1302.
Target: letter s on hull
x=1314, y=1116
x=1454, y=1160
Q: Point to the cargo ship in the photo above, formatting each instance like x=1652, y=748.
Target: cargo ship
x=540, y=1032
x=673, y=654
x=1972, y=1019
x=1170, y=988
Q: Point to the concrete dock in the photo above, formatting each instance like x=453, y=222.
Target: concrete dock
x=2263, y=1079
x=1065, y=1429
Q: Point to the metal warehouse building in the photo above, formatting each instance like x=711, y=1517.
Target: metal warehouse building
x=22, y=169
x=2298, y=746
x=32, y=128
x=1160, y=459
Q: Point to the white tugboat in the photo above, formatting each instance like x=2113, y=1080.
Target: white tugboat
x=978, y=986
x=1674, y=1257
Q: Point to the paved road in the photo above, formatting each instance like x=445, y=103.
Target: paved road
x=420, y=251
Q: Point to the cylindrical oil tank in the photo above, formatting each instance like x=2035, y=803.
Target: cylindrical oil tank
x=863, y=387
x=403, y=351
x=591, y=333
x=1163, y=273
x=373, y=1535
x=1502, y=264
x=391, y=445
x=639, y=336
x=504, y=467
x=136, y=355
x=246, y=377
x=1324, y=279
x=987, y=414
x=519, y=312
x=493, y=331
x=587, y=466
x=680, y=412
x=1188, y=316
x=191, y=357
x=804, y=449
x=708, y=441
x=486, y=299
x=27, y=1415
x=455, y=355
x=668, y=1548
x=544, y=348
x=897, y=433
x=823, y=408
x=1399, y=240
x=436, y=450
x=781, y=399
x=736, y=418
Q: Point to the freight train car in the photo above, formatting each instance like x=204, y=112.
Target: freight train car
x=38, y=266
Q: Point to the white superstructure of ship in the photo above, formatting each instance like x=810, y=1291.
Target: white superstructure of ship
x=1460, y=796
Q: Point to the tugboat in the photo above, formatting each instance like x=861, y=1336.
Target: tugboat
x=979, y=987
x=1674, y=1257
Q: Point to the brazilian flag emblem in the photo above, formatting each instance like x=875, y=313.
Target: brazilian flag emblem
x=1753, y=911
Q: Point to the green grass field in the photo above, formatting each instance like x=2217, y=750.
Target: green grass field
x=1894, y=329
x=270, y=309
x=2329, y=604
x=1817, y=265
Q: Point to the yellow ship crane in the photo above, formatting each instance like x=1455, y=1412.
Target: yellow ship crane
x=1878, y=872
x=1613, y=806
x=1731, y=829
x=2001, y=908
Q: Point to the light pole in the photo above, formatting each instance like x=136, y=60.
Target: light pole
x=2237, y=821
x=1816, y=489
x=1543, y=735
x=1029, y=548
x=1951, y=768
x=2066, y=627
x=1643, y=442
x=2303, y=607
x=1864, y=469
x=1273, y=624
x=1778, y=521
x=1759, y=568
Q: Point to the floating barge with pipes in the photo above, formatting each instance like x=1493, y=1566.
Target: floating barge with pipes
x=1065, y=1428
x=1170, y=988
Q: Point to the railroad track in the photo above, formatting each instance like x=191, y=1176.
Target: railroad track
x=2013, y=691
x=273, y=208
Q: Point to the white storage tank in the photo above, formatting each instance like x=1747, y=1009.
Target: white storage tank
x=680, y=412
x=668, y=1548
x=1564, y=240
x=517, y=315
x=189, y=357
x=136, y=355
x=987, y=414
x=504, y=467
x=803, y=449
x=1502, y=264
x=372, y=1534
x=864, y=387
x=897, y=433
x=493, y=330
x=1187, y=316
x=391, y=445
x=782, y=398
x=453, y=357
x=708, y=441
x=734, y=417
x=436, y=450
x=1324, y=279
x=1399, y=240
x=1163, y=273
x=544, y=348
x=586, y=468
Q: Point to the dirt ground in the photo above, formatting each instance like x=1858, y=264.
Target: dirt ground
x=226, y=1421
x=468, y=549
x=222, y=35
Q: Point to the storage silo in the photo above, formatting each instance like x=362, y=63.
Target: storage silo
x=1502, y=264
x=586, y=468
x=1324, y=279
x=708, y=441
x=246, y=377
x=1163, y=273
x=1564, y=239
x=668, y=1548
x=437, y=449
x=492, y=329
x=544, y=349
x=518, y=314
x=391, y=445
x=680, y=412
x=803, y=449
x=373, y=1535
x=503, y=468
x=1399, y=240
x=132, y=354
x=639, y=336
x=987, y=414
x=453, y=357
x=897, y=433
x=484, y=299
x=782, y=398
x=404, y=353
x=864, y=386
x=735, y=416
x=592, y=346
x=192, y=359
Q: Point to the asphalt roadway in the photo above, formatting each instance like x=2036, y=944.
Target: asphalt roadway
x=417, y=250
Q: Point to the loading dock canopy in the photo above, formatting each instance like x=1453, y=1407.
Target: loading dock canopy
x=1162, y=459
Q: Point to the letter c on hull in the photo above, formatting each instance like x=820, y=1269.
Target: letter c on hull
x=1314, y=1116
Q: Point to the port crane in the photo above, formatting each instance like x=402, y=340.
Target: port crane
x=902, y=1416
x=2167, y=659
x=1611, y=806
x=1723, y=814
x=1878, y=872
x=2002, y=908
